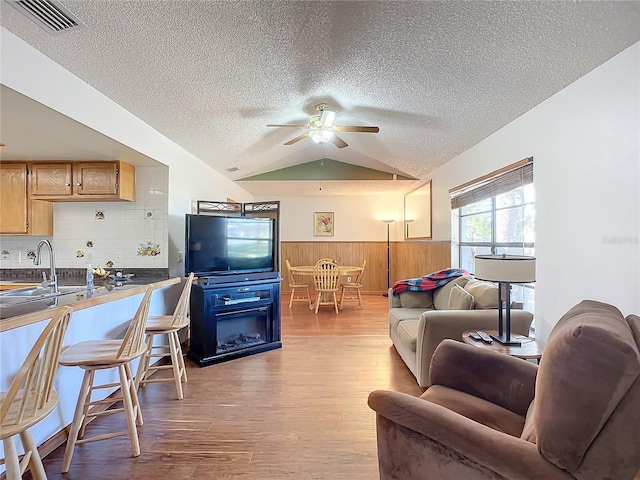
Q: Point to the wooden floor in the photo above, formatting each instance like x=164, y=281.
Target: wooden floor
x=296, y=413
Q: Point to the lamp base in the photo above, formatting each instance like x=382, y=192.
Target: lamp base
x=507, y=343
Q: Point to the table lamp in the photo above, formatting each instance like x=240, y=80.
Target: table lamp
x=505, y=270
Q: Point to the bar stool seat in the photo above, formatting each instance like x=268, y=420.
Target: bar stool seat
x=94, y=355
x=168, y=325
x=31, y=396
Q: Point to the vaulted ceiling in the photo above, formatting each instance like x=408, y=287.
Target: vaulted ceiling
x=435, y=77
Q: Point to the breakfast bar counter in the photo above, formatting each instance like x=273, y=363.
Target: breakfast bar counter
x=14, y=315
x=103, y=316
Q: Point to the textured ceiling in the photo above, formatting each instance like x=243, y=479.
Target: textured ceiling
x=436, y=77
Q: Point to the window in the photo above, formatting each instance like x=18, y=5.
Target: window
x=495, y=214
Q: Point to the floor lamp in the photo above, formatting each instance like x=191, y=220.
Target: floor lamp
x=386, y=293
x=505, y=269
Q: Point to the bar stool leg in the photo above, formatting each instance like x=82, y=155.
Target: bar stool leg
x=78, y=419
x=143, y=364
x=12, y=464
x=35, y=462
x=183, y=369
x=175, y=362
x=87, y=403
x=133, y=393
x=129, y=412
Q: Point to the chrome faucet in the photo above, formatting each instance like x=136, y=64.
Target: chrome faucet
x=53, y=275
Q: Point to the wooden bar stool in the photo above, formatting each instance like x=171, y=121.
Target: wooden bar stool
x=168, y=325
x=31, y=396
x=93, y=355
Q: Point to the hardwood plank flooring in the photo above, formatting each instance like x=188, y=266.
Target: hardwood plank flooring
x=299, y=412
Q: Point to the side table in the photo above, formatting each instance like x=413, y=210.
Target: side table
x=529, y=350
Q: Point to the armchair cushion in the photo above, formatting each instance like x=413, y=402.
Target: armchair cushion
x=589, y=364
x=475, y=408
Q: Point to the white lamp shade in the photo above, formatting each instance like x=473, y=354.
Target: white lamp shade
x=505, y=268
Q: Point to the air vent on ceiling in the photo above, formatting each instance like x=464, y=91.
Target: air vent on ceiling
x=232, y=169
x=50, y=15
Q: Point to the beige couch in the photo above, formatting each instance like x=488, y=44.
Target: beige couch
x=419, y=321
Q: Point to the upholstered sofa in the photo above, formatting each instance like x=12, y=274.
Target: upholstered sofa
x=419, y=321
x=492, y=416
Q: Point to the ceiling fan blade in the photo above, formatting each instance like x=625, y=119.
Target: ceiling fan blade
x=297, y=139
x=338, y=142
x=355, y=128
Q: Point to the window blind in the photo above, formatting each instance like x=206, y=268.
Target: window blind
x=492, y=185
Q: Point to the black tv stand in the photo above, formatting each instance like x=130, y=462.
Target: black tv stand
x=235, y=318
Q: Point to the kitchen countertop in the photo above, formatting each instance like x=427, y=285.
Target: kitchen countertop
x=104, y=291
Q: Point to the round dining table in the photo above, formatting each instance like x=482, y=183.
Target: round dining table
x=308, y=270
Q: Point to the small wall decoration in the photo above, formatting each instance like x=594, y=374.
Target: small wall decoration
x=149, y=249
x=323, y=224
x=100, y=215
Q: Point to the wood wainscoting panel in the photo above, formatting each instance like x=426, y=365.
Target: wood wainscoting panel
x=408, y=259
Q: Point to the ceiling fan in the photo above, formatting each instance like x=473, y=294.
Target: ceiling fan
x=321, y=128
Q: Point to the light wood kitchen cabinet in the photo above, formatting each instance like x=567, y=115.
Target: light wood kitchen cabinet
x=19, y=214
x=78, y=181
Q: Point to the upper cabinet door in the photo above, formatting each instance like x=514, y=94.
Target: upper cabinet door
x=97, y=178
x=13, y=190
x=50, y=179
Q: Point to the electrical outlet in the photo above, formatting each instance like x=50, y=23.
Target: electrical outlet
x=89, y=257
x=16, y=257
x=117, y=257
x=349, y=279
x=180, y=257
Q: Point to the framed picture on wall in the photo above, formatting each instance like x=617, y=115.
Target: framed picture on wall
x=323, y=224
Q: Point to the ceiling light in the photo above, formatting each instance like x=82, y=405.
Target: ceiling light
x=322, y=135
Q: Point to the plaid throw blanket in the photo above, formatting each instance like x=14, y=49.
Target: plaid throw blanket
x=428, y=282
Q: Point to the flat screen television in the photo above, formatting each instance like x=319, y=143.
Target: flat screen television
x=228, y=245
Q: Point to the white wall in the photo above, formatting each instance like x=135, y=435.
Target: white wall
x=356, y=218
x=30, y=73
x=585, y=144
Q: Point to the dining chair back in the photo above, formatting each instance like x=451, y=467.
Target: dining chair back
x=294, y=284
x=326, y=276
x=31, y=396
x=354, y=286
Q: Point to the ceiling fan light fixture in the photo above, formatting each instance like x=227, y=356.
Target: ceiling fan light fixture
x=321, y=135
x=327, y=118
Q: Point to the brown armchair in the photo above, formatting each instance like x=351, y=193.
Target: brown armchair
x=491, y=416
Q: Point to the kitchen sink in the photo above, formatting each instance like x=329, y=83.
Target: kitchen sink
x=29, y=294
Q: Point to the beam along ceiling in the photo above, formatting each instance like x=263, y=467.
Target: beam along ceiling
x=435, y=77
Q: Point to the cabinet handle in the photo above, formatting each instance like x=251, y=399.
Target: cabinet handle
x=67, y=184
x=79, y=184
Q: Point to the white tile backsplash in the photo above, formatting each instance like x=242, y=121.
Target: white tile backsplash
x=122, y=230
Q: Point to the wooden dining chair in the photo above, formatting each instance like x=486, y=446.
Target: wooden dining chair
x=31, y=396
x=168, y=325
x=326, y=276
x=94, y=355
x=354, y=286
x=293, y=284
